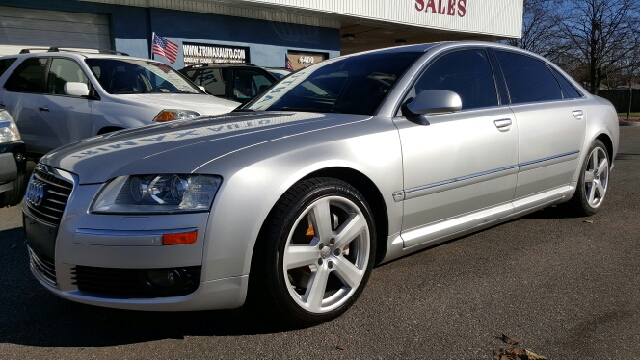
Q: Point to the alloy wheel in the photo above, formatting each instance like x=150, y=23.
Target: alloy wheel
x=326, y=254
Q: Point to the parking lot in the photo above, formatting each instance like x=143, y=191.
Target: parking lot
x=567, y=288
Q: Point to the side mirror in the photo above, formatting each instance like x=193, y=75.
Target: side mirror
x=430, y=102
x=76, y=89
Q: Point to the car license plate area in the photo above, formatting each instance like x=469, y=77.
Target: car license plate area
x=41, y=237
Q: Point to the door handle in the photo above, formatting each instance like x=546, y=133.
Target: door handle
x=503, y=124
x=44, y=109
x=578, y=114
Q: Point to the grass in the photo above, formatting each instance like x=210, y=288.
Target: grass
x=633, y=114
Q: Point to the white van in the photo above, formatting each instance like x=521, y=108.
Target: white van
x=57, y=97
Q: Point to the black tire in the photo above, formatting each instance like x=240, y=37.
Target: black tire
x=581, y=204
x=279, y=292
x=14, y=196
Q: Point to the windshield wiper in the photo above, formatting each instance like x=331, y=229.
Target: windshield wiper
x=242, y=110
x=286, y=108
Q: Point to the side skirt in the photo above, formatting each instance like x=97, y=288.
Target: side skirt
x=409, y=241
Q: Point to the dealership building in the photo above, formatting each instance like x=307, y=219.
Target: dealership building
x=262, y=32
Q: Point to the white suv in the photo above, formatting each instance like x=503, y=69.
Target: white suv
x=57, y=97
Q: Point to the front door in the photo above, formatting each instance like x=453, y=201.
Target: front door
x=69, y=116
x=461, y=164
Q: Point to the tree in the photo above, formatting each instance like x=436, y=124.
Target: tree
x=540, y=20
x=599, y=34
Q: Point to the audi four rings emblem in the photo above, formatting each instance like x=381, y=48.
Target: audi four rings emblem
x=35, y=192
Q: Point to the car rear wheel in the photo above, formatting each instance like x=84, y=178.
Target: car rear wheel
x=593, y=181
x=317, y=254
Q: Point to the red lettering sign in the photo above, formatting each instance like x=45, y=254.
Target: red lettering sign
x=448, y=7
x=462, y=8
x=451, y=10
x=431, y=4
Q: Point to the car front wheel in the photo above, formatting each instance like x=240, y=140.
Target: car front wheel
x=317, y=252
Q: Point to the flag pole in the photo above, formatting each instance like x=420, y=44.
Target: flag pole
x=153, y=36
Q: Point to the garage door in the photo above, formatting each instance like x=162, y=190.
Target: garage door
x=22, y=28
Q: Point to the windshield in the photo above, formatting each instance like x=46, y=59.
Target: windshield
x=353, y=85
x=119, y=76
x=279, y=73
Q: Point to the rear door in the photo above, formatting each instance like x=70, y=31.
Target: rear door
x=551, y=127
x=457, y=165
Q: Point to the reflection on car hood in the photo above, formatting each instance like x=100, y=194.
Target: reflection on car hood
x=182, y=146
x=201, y=103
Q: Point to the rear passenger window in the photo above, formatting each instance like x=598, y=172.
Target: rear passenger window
x=528, y=79
x=27, y=77
x=467, y=72
x=568, y=90
x=5, y=63
x=63, y=71
x=213, y=80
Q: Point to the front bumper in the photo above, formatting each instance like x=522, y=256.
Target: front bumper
x=12, y=162
x=226, y=293
x=124, y=243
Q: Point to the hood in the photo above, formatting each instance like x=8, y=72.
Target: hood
x=201, y=103
x=182, y=146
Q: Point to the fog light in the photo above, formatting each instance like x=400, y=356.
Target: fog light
x=165, y=279
x=19, y=157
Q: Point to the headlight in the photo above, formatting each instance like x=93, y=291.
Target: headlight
x=8, y=130
x=163, y=193
x=168, y=115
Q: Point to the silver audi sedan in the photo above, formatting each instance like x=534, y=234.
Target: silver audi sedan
x=287, y=203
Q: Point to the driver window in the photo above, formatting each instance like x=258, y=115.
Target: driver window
x=248, y=83
x=63, y=71
x=467, y=72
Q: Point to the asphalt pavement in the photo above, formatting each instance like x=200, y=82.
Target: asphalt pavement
x=566, y=288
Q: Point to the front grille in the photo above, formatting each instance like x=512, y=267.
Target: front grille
x=45, y=266
x=47, y=195
x=132, y=283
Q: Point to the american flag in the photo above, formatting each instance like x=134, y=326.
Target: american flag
x=287, y=62
x=164, y=48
